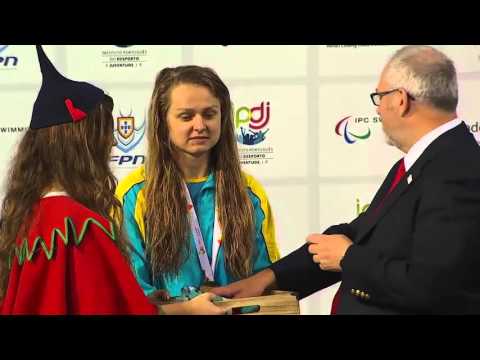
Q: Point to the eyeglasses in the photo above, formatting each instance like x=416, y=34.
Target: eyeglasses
x=377, y=96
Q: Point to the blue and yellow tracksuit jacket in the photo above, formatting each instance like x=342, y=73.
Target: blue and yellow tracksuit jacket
x=131, y=194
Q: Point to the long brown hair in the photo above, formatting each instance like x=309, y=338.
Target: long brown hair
x=167, y=226
x=74, y=156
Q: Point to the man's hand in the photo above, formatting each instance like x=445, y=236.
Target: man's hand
x=328, y=250
x=253, y=286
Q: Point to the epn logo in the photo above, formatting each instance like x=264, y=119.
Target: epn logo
x=127, y=137
x=250, y=123
x=7, y=61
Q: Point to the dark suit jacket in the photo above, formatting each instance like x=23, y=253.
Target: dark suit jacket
x=420, y=253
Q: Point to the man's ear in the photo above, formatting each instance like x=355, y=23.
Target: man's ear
x=404, y=104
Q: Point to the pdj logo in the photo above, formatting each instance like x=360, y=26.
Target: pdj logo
x=7, y=61
x=250, y=123
x=342, y=126
x=126, y=134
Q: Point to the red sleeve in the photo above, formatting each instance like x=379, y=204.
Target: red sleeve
x=90, y=278
x=102, y=281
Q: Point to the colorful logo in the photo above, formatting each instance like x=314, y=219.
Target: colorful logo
x=250, y=123
x=126, y=134
x=341, y=129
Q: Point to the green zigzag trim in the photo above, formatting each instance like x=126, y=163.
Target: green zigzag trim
x=22, y=253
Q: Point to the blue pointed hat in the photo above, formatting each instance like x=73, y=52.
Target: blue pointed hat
x=61, y=100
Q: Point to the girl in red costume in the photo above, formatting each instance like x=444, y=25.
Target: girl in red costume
x=61, y=248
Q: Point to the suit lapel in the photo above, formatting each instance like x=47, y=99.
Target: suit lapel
x=441, y=143
x=375, y=215
x=383, y=188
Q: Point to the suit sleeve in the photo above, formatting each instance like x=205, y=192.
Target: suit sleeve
x=297, y=271
x=444, y=245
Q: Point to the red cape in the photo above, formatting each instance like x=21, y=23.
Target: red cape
x=88, y=275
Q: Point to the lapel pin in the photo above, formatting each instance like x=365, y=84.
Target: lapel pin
x=409, y=179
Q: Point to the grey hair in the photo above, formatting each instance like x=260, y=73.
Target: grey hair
x=426, y=74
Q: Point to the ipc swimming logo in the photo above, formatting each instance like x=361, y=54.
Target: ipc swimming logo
x=342, y=129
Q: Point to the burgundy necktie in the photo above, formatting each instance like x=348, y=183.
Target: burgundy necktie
x=398, y=176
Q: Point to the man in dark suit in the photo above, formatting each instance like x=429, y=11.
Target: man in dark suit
x=417, y=247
